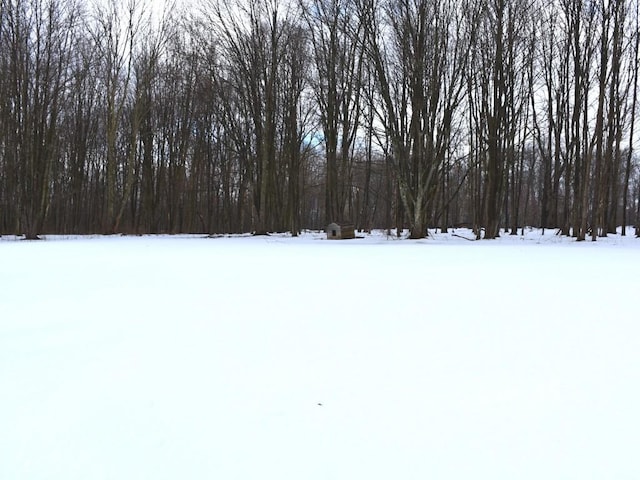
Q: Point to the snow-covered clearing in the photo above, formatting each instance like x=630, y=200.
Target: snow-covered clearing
x=277, y=358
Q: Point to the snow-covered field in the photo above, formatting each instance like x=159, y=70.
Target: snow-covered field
x=277, y=358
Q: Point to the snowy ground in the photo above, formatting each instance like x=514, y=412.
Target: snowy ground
x=276, y=358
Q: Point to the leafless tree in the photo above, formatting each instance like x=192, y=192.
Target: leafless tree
x=419, y=52
x=39, y=37
x=335, y=32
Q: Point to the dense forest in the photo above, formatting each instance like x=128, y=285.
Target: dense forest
x=280, y=115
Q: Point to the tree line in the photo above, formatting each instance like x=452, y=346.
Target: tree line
x=281, y=115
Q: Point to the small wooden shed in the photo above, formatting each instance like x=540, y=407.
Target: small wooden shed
x=340, y=231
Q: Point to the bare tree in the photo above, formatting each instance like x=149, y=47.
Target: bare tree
x=335, y=33
x=419, y=52
x=501, y=89
x=118, y=31
x=632, y=73
x=259, y=41
x=40, y=37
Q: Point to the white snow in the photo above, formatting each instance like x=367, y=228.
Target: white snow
x=278, y=358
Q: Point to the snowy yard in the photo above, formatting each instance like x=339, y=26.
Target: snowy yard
x=277, y=358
